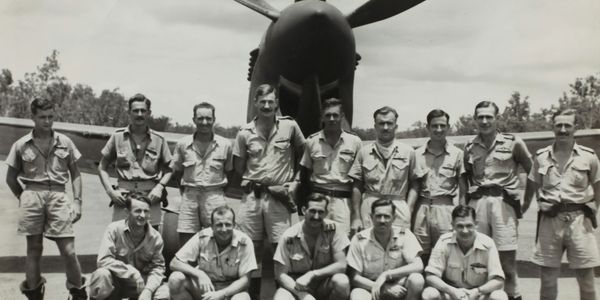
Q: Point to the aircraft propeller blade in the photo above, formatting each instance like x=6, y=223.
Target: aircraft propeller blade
x=377, y=10
x=261, y=7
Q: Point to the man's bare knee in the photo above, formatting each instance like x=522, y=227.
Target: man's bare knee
x=498, y=295
x=177, y=282
x=340, y=286
x=430, y=293
x=241, y=296
x=415, y=282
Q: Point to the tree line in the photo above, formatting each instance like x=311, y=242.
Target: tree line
x=79, y=103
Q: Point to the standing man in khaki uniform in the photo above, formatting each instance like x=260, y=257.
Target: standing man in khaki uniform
x=224, y=257
x=464, y=263
x=563, y=176
x=204, y=159
x=382, y=170
x=384, y=259
x=438, y=168
x=266, y=153
x=310, y=262
x=492, y=162
x=130, y=260
x=141, y=156
x=43, y=160
x=328, y=156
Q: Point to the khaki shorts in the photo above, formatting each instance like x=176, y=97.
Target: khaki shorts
x=321, y=288
x=338, y=210
x=497, y=219
x=433, y=293
x=196, y=207
x=257, y=216
x=45, y=212
x=402, y=211
x=570, y=231
x=430, y=222
x=104, y=285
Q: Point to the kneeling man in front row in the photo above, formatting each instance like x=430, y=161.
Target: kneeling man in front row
x=310, y=261
x=464, y=263
x=224, y=257
x=385, y=260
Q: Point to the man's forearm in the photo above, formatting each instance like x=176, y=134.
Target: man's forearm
x=438, y=284
x=413, y=195
x=287, y=282
x=180, y=266
x=356, y=197
x=492, y=285
x=330, y=270
x=237, y=286
x=415, y=267
x=362, y=282
x=13, y=183
x=462, y=190
x=103, y=174
x=77, y=186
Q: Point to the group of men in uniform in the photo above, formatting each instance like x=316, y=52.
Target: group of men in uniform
x=397, y=204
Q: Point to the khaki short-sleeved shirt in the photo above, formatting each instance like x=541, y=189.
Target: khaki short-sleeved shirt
x=370, y=259
x=269, y=161
x=35, y=167
x=386, y=179
x=142, y=164
x=230, y=264
x=293, y=252
x=479, y=265
x=205, y=171
x=439, y=174
x=330, y=165
x=497, y=165
x=575, y=182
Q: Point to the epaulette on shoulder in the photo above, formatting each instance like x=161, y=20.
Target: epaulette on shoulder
x=542, y=151
x=242, y=241
x=158, y=134
x=120, y=129
x=350, y=132
x=587, y=149
x=509, y=136
x=361, y=236
x=401, y=230
x=285, y=118
x=314, y=135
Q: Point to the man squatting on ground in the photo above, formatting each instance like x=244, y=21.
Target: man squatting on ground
x=224, y=257
x=310, y=262
x=492, y=161
x=328, y=156
x=130, y=260
x=464, y=263
x=566, y=179
x=202, y=160
x=43, y=160
x=141, y=156
x=384, y=259
x=438, y=168
x=266, y=152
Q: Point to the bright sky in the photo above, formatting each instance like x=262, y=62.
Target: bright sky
x=440, y=54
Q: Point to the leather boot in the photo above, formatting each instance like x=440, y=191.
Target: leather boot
x=78, y=293
x=35, y=293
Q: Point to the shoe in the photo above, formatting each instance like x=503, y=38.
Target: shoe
x=78, y=293
x=36, y=293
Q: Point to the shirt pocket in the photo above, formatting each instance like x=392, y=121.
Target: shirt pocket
x=217, y=164
x=299, y=261
x=323, y=256
x=346, y=158
x=231, y=265
x=255, y=149
x=399, y=168
x=281, y=147
x=502, y=162
x=373, y=265
x=123, y=160
x=550, y=177
x=320, y=163
x=206, y=262
x=447, y=176
x=579, y=174
x=61, y=159
x=370, y=173
x=477, y=274
x=189, y=169
x=454, y=273
x=150, y=161
x=28, y=157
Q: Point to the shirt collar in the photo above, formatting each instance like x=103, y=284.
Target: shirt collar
x=576, y=150
x=191, y=138
x=497, y=139
x=127, y=130
x=235, y=239
x=477, y=244
x=56, y=139
x=446, y=148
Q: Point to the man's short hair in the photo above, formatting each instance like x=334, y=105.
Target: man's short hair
x=487, y=104
x=40, y=104
x=436, y=113
x=384, y=111
x=565, y=112
x=383, y=202
x=204, y=105
x=220, y=211
x=136, y=196
x=463, y=211
x=139, y=98
x=265, y=89
x=331, y=102
x=317, y=197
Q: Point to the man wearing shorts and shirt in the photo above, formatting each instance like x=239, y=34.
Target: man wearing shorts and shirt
x=492, y=162
x=566, y=179
x=266, y=152
x=438, y=168
x=224, y=257
x=328, y=156
x=464, y=264
x=382, y=170
x=141, y=156
x=42, y=161
x=203, y=159
x=310, y=262
x=384, y=259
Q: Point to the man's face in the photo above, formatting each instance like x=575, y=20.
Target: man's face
x=485, y=117
x=43, y=120
x=564, y=127
x=383, y=217
x=267, y=105
x=139, y=213
x=332, y=117
x=204, y=120
x=315, y=212
x=138, y=113
x=464, y=228
x=438, y=128
x=222, y=226
x=385, y=127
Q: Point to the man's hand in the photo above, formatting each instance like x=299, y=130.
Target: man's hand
x=214, y=295
x=304, y=296
x=459, y=294
x=376, y=289
x=117, y=196
x=303, y=281
x=204, y=283
x=525, y=207
x=145, y=295
x=139, y=281
x=393, y=291
x=156, y=193
x=473, y=294
x=76, y=210
x=355, y=227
